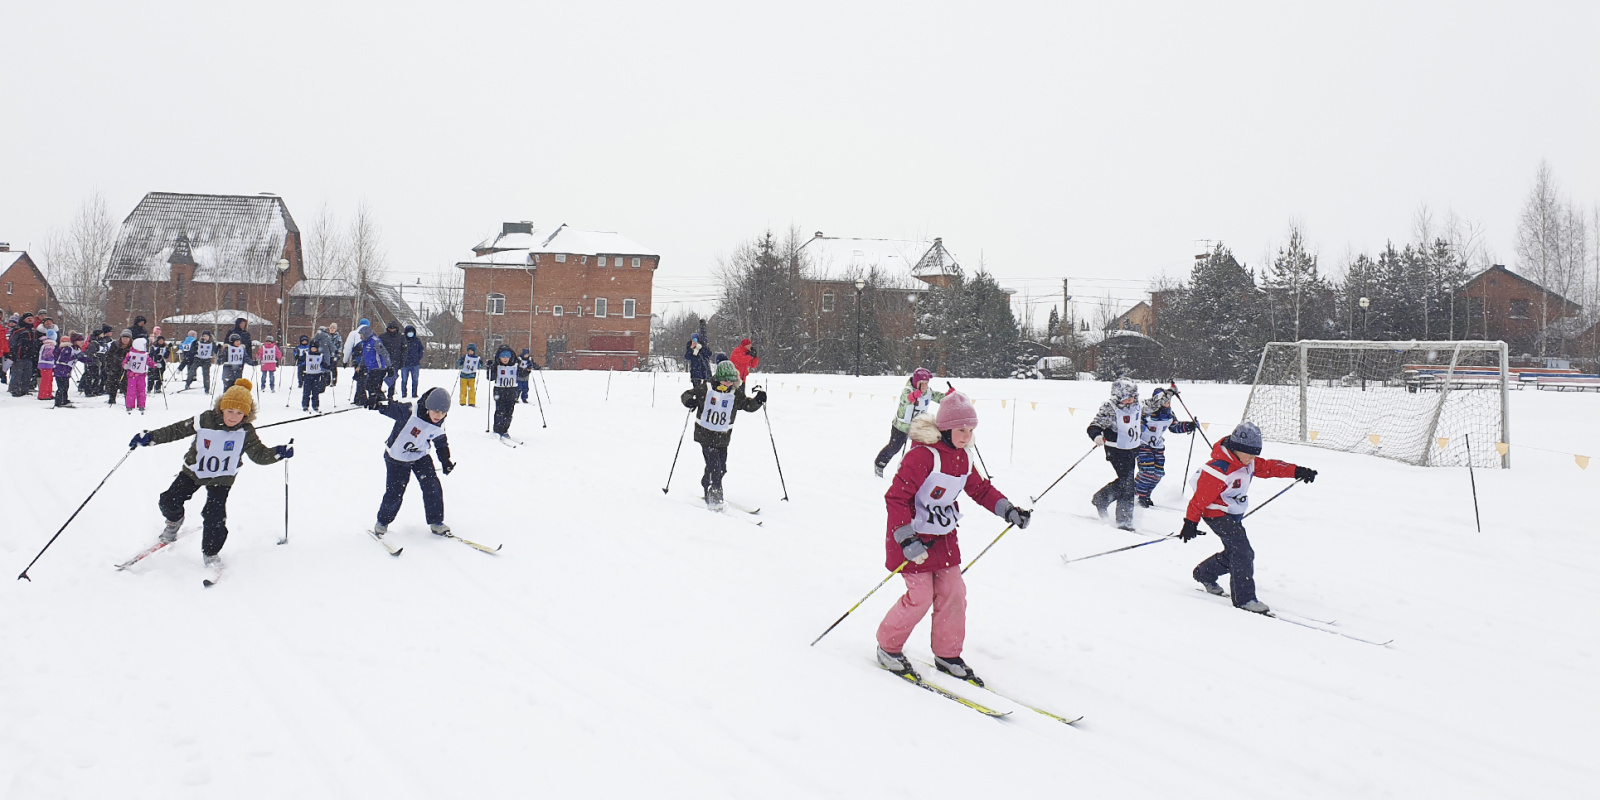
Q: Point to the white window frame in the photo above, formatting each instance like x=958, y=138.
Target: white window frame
x=629, y=305
x=602, y=261
x=557, y=311
x=489, y=304
x=600, y=307
x=561, y=258
x=636, y=263
x=828, y=302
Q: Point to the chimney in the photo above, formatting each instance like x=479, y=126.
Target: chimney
x=5, y=247
x=818, y=235
x=508, y=228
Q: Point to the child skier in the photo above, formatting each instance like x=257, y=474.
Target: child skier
x=234, y=357
x=503, y=377
x=525, y=368
x=67, y=354
x=116, y=379
x=717, y=403
x=160, y=355
x=913, y=401
x=201, y=360
x=300, y=351
x=136, y=366
x=1117, y=426
x=269, y=358
x=468, y=365
x=223, y=436
x=47, y=368
x=313, y=378
x=1221, y=498
x=407, y=454
x=921, y=539
x=1156, y=420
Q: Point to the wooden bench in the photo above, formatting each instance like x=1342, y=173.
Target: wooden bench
x=1562, y=383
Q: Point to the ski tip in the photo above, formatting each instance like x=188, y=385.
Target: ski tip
x=208, y=583
x=398, y=552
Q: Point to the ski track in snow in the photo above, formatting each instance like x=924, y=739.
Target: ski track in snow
x=629, y=644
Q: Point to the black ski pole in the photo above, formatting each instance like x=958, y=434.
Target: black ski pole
x=1474, y=478
x=1196, y=421
x=24, y=575
x=1174, y=535
x=546, y=384
x=1074, y=466
x=542, y=423
x=303, y=419
x=859, y=602
x=775, y=458
x=676, y=452
x=285, y=539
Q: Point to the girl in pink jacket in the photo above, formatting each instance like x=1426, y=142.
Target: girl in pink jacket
x=921, y=541
x=136, y=365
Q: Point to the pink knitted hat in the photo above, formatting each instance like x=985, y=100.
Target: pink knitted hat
x=956, y=411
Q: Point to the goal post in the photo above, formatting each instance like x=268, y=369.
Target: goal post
x=1411, y=401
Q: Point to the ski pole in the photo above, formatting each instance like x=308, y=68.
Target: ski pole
x=986, y=549
x=1074, y=466
x=775, y=458
x=859, y=602
x=1196, y=421
x=546, y=383
x=303, y=419
x=1174, y=535
x=542, y=423
x=676, y=452
x=24, y=575
x=285, y=539
x=1474, y=478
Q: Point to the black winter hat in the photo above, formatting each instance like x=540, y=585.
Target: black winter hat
x=393, y=326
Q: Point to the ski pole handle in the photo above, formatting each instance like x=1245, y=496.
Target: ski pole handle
x=862, y=600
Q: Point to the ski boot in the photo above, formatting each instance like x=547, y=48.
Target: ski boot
x=714, y=498
x=1255, y=607
x=878, y=468
x=896, y=663
x=169, y=534
x=440, y=530
x=1211, y=587
x=214, y=562
x=957, y=668
x=1144, y=502
x=1101, y=510
x=380, y=529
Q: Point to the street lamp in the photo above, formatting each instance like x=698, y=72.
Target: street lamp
x=1364, y=303
x=283, y=269
x=860, y=284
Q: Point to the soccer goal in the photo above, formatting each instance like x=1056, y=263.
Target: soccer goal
x=1415, y=402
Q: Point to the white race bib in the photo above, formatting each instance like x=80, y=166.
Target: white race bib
x=1235, y=497
x=505, y=376
x=1128, y=429
x=1155, y=432
x=217, y=453
x=203, y=350
x=235, y=355
x=412, y=442
x=313, y=363
x=716, y=413
x=139, y=364
x=269, y=355
x=935, y=503
x=470, y=364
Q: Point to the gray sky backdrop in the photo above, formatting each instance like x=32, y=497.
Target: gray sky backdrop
x=1095, y=140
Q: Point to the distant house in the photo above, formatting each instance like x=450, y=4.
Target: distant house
x=315, y=302
x=183, y=254
x=576, y=299
x=1504, y=305
x=24, y=285
x=828, y=294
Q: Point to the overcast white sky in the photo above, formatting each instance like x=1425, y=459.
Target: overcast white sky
x=1095, y=140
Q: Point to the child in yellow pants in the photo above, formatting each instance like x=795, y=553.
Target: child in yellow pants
x=468, y=365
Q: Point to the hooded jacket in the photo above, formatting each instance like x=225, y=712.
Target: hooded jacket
x=744, y=358
x=699, y=363
x=943, y=551
x=395, y=342
x=414, y=348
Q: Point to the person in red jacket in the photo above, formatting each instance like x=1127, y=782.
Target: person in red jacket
x=1221, y=498
x=744, y=359
x=921, y=540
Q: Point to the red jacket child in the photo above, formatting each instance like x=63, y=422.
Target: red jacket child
x=744, y=359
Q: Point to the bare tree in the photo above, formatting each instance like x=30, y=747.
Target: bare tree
x=77, y=261
x=1540, y=240
x=327, y=260
x=447, y=296
x=366, y=258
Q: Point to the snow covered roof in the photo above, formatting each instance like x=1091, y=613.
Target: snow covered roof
x=395, y=308
x=10, y=257
x=1090, y=338
x=229, y=238
x=835, y=255
x=224, y=316
x=562, y=238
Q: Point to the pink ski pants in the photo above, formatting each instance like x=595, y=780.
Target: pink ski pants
x=134, y=397
x=946, y=593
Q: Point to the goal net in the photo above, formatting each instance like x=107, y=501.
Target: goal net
x=1416, y=402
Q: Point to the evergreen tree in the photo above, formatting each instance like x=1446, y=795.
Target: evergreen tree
x=1218, y=324
x=760, y=300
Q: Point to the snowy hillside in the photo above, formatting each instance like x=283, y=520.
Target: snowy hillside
x=627, y=643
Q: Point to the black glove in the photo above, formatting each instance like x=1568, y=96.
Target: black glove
x=761, y=396
x=284, y=451
x=1306, y=474
x=447, y=466
x=752, y=351
x=1010, y=513
x=141, y=439
x=1191, y=529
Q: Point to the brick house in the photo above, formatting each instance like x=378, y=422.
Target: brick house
x=828, y=291
x=1504, y=305
x=23, y=286
x=315, y=302
x=178, y=255
x=575, y=299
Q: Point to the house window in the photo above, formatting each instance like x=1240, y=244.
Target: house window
x=627, y=309
x=827, y=301
x=636, y=263
x=561, y=258
x=600, y=306
x=497, y=304
x=495, y=341
x=1521, y=309
x=603, y=261
x=557, y=311
x=297, y=306
x=10, y=287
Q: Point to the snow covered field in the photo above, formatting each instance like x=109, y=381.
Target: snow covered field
x=627, y=643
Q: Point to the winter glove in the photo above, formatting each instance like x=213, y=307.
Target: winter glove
x=1010, y=513
x=1191, y=529
x=752, y=351
x=916, y=552
x=1306, y=474
x=284, y=451
x=761, y=396
x=1171, y=391
x=448, y=466
x=141, y=439
x=914, y=397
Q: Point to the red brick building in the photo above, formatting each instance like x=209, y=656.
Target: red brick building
x=828, y=292
x=1504, y=305
x=22, y=286
x=186, y=254
x=575, y=299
